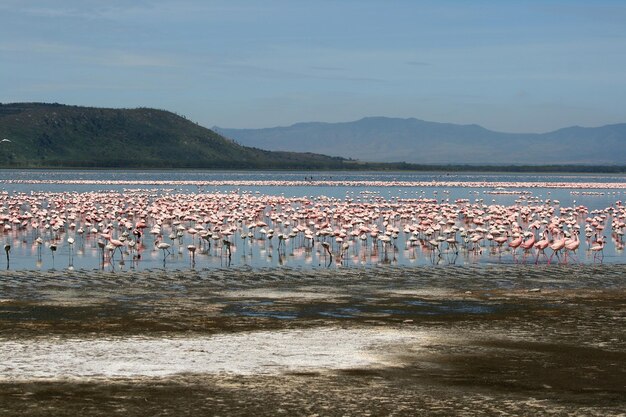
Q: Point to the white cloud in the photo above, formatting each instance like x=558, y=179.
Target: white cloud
x=109, y=57
x=131, y=59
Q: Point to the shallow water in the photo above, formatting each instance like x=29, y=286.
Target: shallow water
x=343, y=186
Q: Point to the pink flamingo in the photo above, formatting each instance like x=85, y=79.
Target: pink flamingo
x=556, y=247
x=500, y=240
x=515, y=243
x=598, y=249
x=115, y=243
x=571, y=245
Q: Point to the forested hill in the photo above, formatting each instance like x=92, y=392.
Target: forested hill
x=42, y=135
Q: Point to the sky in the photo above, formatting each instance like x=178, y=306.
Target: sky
x=512, y=66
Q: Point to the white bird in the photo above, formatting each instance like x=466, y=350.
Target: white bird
x=165, y=247
x=5, y=140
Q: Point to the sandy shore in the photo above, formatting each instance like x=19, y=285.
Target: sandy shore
x=489, y=340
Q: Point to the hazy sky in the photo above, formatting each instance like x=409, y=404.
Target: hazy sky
x=518, y=66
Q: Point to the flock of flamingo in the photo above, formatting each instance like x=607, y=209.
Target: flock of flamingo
x=494, y=185
x=130, y=226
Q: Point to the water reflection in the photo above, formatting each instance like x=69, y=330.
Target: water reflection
x=53, y=226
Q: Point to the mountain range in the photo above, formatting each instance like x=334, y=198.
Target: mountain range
x=414, y=141
x=41, y=135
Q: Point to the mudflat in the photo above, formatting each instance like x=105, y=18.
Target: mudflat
x=485, y=340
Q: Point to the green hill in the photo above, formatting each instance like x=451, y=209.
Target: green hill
x=55, y=135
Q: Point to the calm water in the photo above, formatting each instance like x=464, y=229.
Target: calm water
x=85, y=253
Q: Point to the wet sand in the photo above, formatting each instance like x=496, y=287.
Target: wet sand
x=487, y=340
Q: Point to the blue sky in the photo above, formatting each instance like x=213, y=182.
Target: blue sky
x=516, y=66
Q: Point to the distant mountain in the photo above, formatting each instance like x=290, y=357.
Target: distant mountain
x=55, y=135
x=382, y=139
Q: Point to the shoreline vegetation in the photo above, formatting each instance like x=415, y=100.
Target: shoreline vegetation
x=57, y=136
x=352, y=166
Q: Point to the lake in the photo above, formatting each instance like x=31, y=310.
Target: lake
x=358, y=293
x=302, y=219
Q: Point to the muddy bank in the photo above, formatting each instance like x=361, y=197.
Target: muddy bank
x=392, y=341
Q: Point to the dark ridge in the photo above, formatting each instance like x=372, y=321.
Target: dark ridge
x=54, y=135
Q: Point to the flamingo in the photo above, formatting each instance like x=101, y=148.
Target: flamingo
x=281, y=240
x=113, y=245
x=500, y=240
x=7, y=249
x=101, y=245
x=515, y=243
x=598, y=249
x=165, y=247
x=556, y=246
x=541, y=245
x=475, y=239
x=70, y=241
x=571, y=245
x=53, y=248
x=326, y=247
x=39, y=242
x=192, y=253
x=226, y=243
x=350, y=222
x=131, y=247
x=528, y=243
